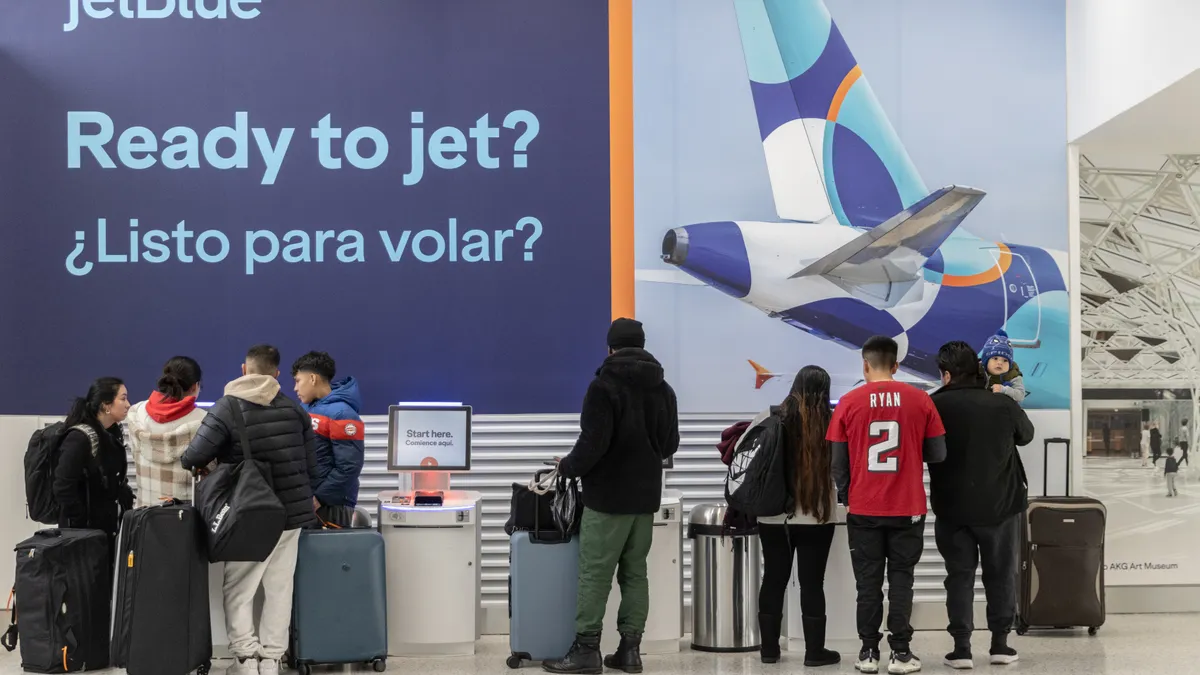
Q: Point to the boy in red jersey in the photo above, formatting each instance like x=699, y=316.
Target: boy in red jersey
x=881, y=433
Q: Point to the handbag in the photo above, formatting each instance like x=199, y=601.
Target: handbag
x=243, y=515
x=548, y=507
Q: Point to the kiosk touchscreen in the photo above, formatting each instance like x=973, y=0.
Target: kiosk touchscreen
x=429, y=438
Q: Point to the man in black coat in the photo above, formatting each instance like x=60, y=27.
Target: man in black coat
x=280, y=433
x=978, y=495
x=630, y=424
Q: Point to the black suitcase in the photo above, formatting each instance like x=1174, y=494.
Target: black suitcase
x=1062, y=563
x=61, y=602
x=160, y=620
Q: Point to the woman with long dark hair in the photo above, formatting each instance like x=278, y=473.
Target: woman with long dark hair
x=91, y=481
x=161, y=428
x=806, y=534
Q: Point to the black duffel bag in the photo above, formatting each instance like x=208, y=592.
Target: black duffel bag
x=549, y=514
x=242, y=514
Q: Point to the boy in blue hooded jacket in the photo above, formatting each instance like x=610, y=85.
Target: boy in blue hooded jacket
x=334, y=408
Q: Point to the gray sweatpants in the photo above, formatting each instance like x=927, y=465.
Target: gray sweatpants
x=1171, y=484
x=242, y=581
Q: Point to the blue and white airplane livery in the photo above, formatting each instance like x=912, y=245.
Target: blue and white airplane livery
x=863, y=247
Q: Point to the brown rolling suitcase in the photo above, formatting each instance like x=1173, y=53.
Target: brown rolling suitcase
x=1062, y=563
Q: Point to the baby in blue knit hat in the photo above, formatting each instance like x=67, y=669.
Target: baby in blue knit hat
x=1003, y=375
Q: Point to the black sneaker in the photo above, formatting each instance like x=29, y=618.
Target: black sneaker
x=868, y=660
x=1003, y=656
x=1001, y=653
x=960, y=658
x=903, y=663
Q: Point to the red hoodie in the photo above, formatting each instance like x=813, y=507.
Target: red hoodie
x=163, y=409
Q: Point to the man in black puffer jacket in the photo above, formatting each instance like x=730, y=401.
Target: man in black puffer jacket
x=280, y=433
x=630, y=424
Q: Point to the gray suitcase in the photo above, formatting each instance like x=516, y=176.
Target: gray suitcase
x=339, y=606
x=543, y=580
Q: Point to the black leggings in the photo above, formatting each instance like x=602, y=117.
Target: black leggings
x=809, y=544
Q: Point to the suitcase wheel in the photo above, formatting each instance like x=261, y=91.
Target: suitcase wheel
x=514, y=661
x=1022, y=627
x=379, y=665
x=304, y=669
x=1093, y=630
x=204, y=668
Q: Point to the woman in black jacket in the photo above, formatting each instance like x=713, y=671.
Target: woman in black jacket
x=805, y=534
x=91, y=481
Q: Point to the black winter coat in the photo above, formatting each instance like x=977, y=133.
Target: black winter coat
x=982, y=480
x=280, y=433
x=92, y=493
x=629, y=425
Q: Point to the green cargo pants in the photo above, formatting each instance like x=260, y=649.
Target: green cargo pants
x=609, y=542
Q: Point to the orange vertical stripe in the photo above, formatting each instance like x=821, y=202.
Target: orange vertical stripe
x=620, y=129
x=835, y=106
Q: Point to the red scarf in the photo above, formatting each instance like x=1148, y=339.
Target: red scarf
x=163, y=409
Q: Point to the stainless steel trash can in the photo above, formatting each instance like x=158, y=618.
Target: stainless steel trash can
x=726, y=571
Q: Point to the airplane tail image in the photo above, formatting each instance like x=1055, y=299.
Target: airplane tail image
x=761, y=375
x=830, y=148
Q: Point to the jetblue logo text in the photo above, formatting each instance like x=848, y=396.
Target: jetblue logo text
x=160, y=9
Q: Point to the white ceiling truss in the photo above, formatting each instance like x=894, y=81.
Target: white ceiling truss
x=1140, y=269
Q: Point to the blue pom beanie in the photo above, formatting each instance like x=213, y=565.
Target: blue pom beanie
x=997, y=345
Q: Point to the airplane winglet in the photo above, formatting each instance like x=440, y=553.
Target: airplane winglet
x=897, y=249
x=761, y=375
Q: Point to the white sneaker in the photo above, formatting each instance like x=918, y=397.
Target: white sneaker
x=868, y=661
x=247, y=667
x=268, y=667
x=904, y=663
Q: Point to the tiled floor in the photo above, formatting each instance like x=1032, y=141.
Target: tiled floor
x=1127, y=645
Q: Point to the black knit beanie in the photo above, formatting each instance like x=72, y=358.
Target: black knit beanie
x=625, y=334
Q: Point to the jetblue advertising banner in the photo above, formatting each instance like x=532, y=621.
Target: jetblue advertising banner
x=419, y=188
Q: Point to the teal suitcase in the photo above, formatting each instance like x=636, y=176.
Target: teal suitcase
x=339, y=607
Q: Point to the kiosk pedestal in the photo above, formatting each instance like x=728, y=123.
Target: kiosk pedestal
x=433, y=560
x=664, y=625
x=841, y=594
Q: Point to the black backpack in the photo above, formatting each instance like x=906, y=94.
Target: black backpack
x=41, y=460
x=756, y=483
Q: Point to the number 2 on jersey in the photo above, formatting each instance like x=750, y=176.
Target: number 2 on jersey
x=890, y=431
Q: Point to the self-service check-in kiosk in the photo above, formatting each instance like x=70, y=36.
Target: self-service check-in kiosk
x=431, y=534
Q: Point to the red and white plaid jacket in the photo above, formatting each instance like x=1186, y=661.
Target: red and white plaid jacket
x=156, y=449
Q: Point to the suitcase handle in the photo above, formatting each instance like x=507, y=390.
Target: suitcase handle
x=1046, y=464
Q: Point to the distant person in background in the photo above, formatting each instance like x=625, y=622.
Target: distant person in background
x=1144, y=445
x=160, y=429
x=91, y=480
x=1155, y=444
x=978, y=495
x=1106, y=435
x=1184, y=438
x=280, y=435
x=334, y=408
x=806, y=533
x=1169, y=472
x=629, y=425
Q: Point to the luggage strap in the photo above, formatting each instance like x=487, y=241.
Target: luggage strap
x=9, y=639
